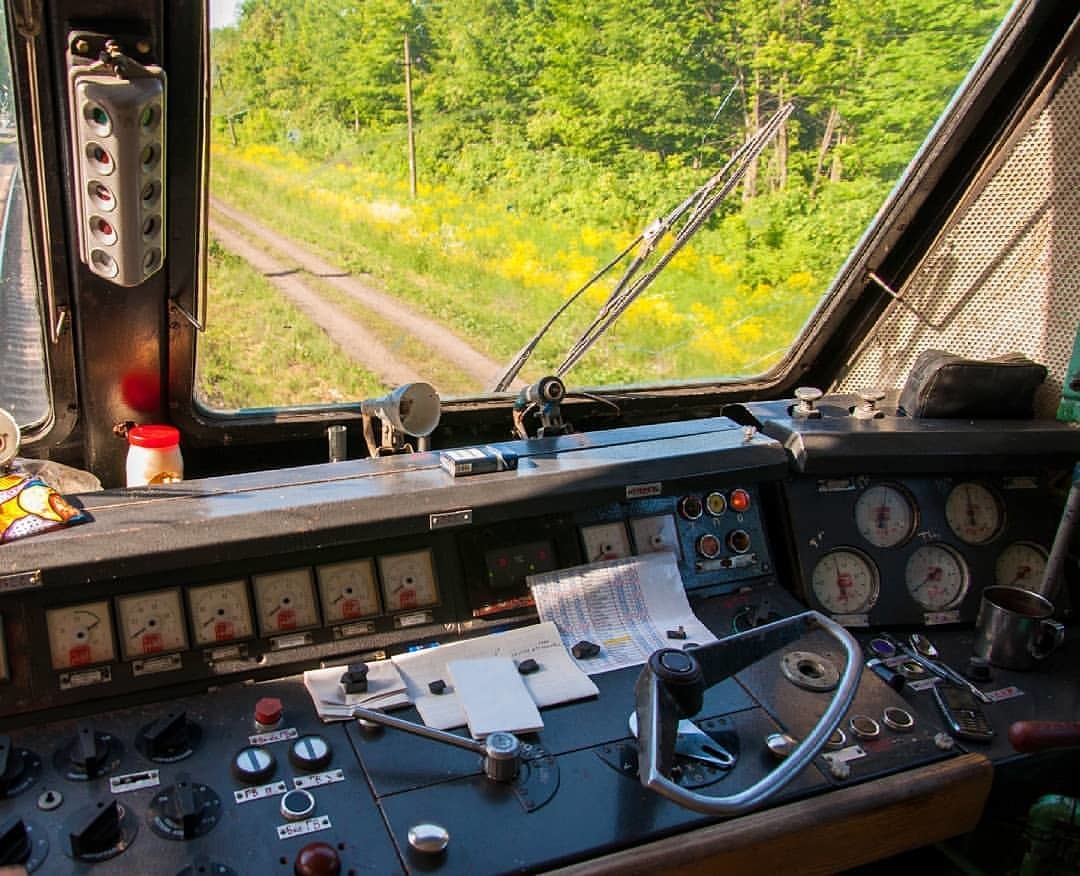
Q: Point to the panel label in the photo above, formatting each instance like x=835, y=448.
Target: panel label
x=644, y=491
x=317, y=780
x=134, y=781
x=246, y=795
x=299, y=828
x=274, y=736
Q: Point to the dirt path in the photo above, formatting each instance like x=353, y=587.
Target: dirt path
x=349, y=334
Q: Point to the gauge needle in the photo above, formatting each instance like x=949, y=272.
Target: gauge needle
x=970, y=506
x=136, y=635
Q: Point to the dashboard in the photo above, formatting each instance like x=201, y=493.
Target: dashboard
x=151, y=701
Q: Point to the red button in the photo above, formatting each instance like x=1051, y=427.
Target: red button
x=268, y=711
x=740, y=500
x=317, y=859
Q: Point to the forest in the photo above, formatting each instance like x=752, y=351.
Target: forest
x=600, y=116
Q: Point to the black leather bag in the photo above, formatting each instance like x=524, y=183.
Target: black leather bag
x=943, y=385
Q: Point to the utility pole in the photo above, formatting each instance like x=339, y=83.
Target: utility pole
x=409, y=114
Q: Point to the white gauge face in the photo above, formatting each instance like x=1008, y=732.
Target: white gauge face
x=80, y=635
x=285, y=601
x=348, y=590
x=885, y=515
x=605, y=541
x=845, y=582
x=9, y=437
x=655, y=534
x=936, y=577
x=408, y=581
x=151, y=623
x=1021, y=564
x=974, y=513
x=220, y=612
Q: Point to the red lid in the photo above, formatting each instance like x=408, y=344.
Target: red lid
x=154, y=436
x=268, y=710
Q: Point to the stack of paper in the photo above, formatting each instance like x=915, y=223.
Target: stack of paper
x=494, y=696
x=386, y=690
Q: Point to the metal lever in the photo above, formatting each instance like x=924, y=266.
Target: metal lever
x=696, y=744
x=501, y=751
x=659, y=701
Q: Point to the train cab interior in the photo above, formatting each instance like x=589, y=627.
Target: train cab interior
x=812, y=615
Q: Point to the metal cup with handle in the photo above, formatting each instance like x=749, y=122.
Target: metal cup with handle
x=1014, y=629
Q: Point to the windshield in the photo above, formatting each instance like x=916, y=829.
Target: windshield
x=24, y=391
x=408, y=191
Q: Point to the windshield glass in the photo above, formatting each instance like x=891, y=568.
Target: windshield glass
x=409, y=190
x=24, y=389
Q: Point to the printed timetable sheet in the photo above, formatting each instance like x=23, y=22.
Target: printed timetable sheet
x=625, y=606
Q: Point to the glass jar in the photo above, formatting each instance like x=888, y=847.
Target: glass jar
x=154, y=455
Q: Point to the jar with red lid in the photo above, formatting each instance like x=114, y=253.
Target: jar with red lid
x=154, y=455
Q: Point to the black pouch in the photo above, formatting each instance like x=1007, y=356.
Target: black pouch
x=943, y=385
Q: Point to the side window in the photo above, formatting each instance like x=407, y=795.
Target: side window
x=24, y=382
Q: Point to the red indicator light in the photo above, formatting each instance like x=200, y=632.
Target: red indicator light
x=739, y=500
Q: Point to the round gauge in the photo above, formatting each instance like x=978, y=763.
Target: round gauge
x=151, y=623
x=974, y=513
x=885, y=515
x=9, y=437
x=285, y=601
x=348, y=590
x=1021, y=564
x=408, y=581
x=845, y=582
x=220, y=612
x=80, y=635
x=936, y=577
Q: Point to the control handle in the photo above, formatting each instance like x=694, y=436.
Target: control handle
x=1032, y=736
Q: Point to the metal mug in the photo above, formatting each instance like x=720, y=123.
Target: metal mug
x=1014, y=629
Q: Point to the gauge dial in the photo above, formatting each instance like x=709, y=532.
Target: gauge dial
x=220, y=612
x=348, y=590
x=936, y=577
x=151, y=623
x=974, y=513
x=285, y=601
x=885, y=515
x=80, y=635
x=1021, y=564
x=408, y=581
x=655, y=534
x=605, y=541
x=845, y=582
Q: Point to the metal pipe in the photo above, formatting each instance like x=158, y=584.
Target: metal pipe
x=419, y=730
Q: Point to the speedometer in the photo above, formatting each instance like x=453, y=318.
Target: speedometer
x=885, y=515
x=845, y=582
x=936, y=577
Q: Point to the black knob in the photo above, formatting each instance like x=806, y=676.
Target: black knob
x=310, y=753
x=184, y=810
x=253, y=764
x=12, y=765
x=185, y=806
x=15, y=844
x=170, y=738
x=681, y=676
x=100, y=835
x=89, y=755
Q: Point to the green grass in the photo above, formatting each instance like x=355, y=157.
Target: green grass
x=260, y=351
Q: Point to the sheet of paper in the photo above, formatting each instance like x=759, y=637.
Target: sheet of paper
x=386, y=690
x=557, y=681
x=625, y=606
x=494, y=696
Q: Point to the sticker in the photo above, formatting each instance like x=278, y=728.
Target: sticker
x=70, y=680
x=295, y=640
x=852, y=620
x=274, y=736
x=852, y=752
x=1005, y=693
x=246, y=795
x=157, y=664
x=644, y=491
x=413, y=620
x=134, y=781
x=933, y=618
x=299, y=828
x=317, y=780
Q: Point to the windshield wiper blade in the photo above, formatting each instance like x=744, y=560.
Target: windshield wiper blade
x=702, y=203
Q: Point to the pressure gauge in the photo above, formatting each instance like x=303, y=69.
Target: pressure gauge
x=974, y=513
x=655, y=534
x=605, y=541
x=408, y=581
x=80, y=635
x=348, y=590
x=885, y=515
x=220, y=612
x=936, y=577
x=151, y=623
x=1021, y=564
x=9, y=438
x=845, y=581
x=285, y=601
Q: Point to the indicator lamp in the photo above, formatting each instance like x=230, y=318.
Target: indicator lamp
x=740, y=500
